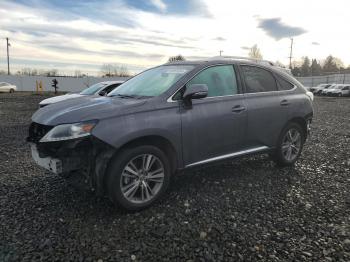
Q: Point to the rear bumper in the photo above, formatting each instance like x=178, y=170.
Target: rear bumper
x=308, y=127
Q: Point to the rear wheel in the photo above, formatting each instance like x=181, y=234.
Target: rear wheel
x=138, y=177
x=339, y=94
x=290, y=145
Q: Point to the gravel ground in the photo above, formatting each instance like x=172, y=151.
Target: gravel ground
x=246, y=209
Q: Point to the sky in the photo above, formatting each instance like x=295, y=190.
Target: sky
x=84, y=34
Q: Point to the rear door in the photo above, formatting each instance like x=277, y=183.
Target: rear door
x=214, y=126
x=267, y=107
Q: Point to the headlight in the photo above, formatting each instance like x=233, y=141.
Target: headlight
x=69, y=131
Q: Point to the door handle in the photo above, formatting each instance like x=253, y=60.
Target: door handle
x=238, y=109
x=284, y=102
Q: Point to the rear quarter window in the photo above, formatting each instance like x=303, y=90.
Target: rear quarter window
x=284, y=84
x=258, y=79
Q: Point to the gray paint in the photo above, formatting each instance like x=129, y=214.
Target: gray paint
x=208, y=129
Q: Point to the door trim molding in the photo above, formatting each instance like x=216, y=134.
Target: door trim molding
x=239, y=153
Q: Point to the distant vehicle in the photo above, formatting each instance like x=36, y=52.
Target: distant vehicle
x=6, y=87
x=330, y=89
x=340, y=90
x=102, y=89
x=319, y=90
x=314, y=88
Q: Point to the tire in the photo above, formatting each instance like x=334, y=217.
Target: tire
x=129, y=184
x=12, y=90
x=287, y=152
x=340, y=95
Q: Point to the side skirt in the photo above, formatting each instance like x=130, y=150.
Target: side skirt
x=235, y=154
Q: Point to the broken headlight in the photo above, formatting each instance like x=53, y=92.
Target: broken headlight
x=69, y=131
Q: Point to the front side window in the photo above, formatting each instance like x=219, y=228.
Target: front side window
x=152, y=82
x=221, y=80
x=258, y=80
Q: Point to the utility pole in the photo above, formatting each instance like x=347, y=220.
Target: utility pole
x=221, y=52
x=8, y=55
x=291, y=53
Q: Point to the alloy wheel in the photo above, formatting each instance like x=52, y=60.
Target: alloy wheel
x=142, y=178
x=291, y=144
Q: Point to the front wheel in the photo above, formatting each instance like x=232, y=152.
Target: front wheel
x=340, y=94
x=137, y=177
x=290, y=145
x=12, y=90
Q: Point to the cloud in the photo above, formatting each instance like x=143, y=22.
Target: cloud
x=159, y=4
x=315, y=43
x=219, y=38
x=245, y=47
x=278, y=30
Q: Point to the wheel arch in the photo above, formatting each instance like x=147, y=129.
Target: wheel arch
x=154, y=140
x=302, y=122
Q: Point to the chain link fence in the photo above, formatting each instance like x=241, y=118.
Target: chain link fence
x=327, y=79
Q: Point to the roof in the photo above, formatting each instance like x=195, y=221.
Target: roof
x=235, y=59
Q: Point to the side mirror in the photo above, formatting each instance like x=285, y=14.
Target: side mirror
x=103, y=93
x=196, y=91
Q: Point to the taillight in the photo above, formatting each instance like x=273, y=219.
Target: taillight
x=310, y=95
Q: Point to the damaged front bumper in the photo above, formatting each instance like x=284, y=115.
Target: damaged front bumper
x=86, y=158
x=52, y=164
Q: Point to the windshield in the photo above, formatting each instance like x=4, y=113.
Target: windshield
x=92, y=89
x=152, y=82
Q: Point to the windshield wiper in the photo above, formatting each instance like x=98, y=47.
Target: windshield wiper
x=125, y=96
x=130, y=96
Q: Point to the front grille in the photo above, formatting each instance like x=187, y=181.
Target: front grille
x=37, y=131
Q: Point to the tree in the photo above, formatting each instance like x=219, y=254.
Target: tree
x=176, y=58
x=110, y=70
x=123, y=71
x=77, y=73
x=52, y=72
x=254, y=52
x=316, y=68
x=296, y=71
x=305, y=67
x=107, y=70
x=330, y=65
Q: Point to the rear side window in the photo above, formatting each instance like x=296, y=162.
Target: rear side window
x=258, y=80
x=221, y=80
x=284, y=84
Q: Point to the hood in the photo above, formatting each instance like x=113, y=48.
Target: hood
x=56, y=99
x=84, y=108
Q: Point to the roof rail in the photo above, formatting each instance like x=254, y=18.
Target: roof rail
x=257, y=60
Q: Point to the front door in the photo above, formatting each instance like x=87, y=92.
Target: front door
x=214, y=126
